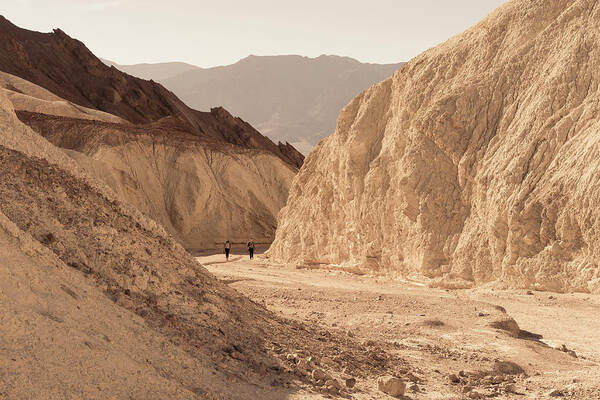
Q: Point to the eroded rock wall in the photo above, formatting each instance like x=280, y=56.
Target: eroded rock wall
x=476, y=162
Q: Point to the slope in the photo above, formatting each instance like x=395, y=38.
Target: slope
x=203, y=192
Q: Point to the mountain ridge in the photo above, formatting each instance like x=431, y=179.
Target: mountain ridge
x=65, y=66
x=290, y=98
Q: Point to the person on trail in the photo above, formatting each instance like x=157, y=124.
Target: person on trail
x=251, y=248
x=227, y=249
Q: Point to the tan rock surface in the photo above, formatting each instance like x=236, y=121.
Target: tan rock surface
x=476, y=162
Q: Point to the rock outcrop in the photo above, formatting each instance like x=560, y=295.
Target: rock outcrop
x=476, y=162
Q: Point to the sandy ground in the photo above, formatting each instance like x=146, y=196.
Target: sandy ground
x=449, y=339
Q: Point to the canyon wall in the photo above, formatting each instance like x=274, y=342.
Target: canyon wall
x=477, y=162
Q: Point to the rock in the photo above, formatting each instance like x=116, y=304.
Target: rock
x=414, y=388
x=304, y=366
x=476, y=395
x=555, y=393
x=391, y=385
x=332, y=390
x=463, y=145
x=508, y=325
x=350, y=382
x=453, y=378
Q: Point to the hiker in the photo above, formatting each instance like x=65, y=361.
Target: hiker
x=227, y=249
x=251, y=248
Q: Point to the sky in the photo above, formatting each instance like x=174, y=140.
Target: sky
x=221, y=32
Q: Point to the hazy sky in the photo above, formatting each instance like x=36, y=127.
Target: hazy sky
x=218, y=32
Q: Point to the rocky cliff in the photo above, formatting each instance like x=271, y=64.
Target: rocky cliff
x=476, y=162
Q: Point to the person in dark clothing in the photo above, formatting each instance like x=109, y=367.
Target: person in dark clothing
x=227, y=249
x=251, y=248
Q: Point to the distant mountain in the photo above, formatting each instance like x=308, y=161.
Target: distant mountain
x=156, y=72
x=288, y=98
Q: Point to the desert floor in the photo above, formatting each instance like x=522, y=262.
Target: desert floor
x=447, y=338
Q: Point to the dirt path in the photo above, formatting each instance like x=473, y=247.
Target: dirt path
x=450, y=339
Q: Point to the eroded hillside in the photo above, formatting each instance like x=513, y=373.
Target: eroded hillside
x=89, y=283
x=202, y=192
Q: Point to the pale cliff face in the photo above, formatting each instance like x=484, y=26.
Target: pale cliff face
x=476, y=162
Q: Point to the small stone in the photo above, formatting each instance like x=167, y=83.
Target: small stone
x=391, y=385
x=467, y=389
x=462, y=373
x=529, y=293
x=350, y=382
x=475, y=395
x=497, y=379
x=291, y=357
x=414, y=388
x=332, y=390
x=453, y=378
